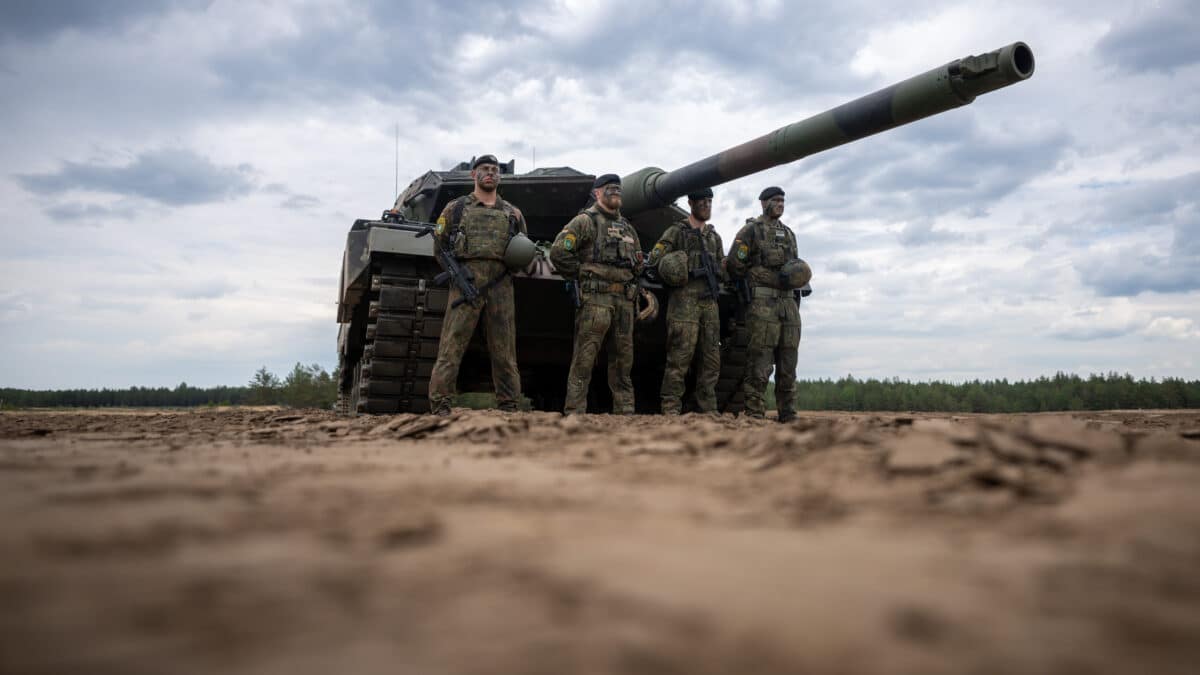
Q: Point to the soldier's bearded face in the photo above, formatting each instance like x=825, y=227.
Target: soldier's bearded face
x=609, y=197
x=773, y=207
x=701, y=208
x=487, y=177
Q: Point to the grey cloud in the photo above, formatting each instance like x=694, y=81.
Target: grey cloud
x=922, y=233
x=1132, y=270
x=1087, y=334
x=1130, y=275
x=372, y=50
x=175, y=177
x=1137, y=205
x=34, y=19
x=1088, y=325
x=937, y=166
x=15, y=306
x=300, y=202
x=204, y=290
x=403, y=52
x=1158, y=38
x=78, y=213
x=844, y=265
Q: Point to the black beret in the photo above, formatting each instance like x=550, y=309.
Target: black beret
x=706, y=193
x=770, y=192
x=485, y=159
x=606, y=179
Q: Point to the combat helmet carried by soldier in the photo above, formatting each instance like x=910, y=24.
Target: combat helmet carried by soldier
x=795, y=274
x=673, y=268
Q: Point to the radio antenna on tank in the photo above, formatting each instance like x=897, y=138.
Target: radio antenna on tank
x=396, y=189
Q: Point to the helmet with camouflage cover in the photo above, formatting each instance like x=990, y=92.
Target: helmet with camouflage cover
x=673, y=268
x=795, y=274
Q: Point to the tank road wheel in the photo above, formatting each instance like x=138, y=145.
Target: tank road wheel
x=733, y=369
x=404, y=324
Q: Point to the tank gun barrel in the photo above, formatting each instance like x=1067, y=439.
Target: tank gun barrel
x=944, y=88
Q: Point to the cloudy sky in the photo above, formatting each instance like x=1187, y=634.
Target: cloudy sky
x=178, y=177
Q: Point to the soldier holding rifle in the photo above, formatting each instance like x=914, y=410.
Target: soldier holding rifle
x=690, y=258
x=477, y=229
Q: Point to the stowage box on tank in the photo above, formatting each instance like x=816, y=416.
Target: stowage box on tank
x=391, y=313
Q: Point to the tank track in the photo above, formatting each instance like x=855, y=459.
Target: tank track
x=734, y=352
x=403, y=325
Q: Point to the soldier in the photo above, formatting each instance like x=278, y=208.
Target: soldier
x=693, y=320
x=759, y=253
x=478, y=228
x=600, y=249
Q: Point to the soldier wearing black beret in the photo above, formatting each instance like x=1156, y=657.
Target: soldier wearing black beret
x=760, y=250
x=478, y=227
x=600, y=250
x=693, y=317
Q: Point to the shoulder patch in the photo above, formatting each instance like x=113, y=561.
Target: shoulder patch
x=569, y=242
x=441, y=225
x=742, y=250
x=657, y=251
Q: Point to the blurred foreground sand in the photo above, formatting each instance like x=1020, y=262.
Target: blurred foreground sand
x=270, y=541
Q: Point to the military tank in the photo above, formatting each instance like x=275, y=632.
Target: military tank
x=391, y=312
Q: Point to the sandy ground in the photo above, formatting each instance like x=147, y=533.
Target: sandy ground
x=275, y=541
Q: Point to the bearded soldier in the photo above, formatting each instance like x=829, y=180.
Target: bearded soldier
x=600, y=249
x=478, y=228
x=693, y=320
x=764, y=253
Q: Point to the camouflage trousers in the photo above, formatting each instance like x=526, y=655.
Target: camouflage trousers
x=604, y=320
x=774, y=327
x=499, y=324
x=693, y=329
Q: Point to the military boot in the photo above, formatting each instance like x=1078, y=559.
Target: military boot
x=441, y=409
x=786, y=416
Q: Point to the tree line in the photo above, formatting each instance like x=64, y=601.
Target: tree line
x=313, y=387
x=1061, y=392
x=304, y=387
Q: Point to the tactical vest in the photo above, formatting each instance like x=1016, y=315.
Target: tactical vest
x=775, y=245
x=694, y=241
x=608, y=243
x=485, y=231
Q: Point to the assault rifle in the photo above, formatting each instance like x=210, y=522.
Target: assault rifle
x=708, y=272
x=455, y=272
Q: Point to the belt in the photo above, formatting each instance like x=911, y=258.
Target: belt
x=598, y=286
x=768, y=292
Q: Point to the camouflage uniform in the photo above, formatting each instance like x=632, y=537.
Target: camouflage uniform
x=773, y=320
x=483, y=233
x=693, y=320
x=600, y=251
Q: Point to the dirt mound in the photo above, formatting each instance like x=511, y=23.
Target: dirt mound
x=266, y=540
